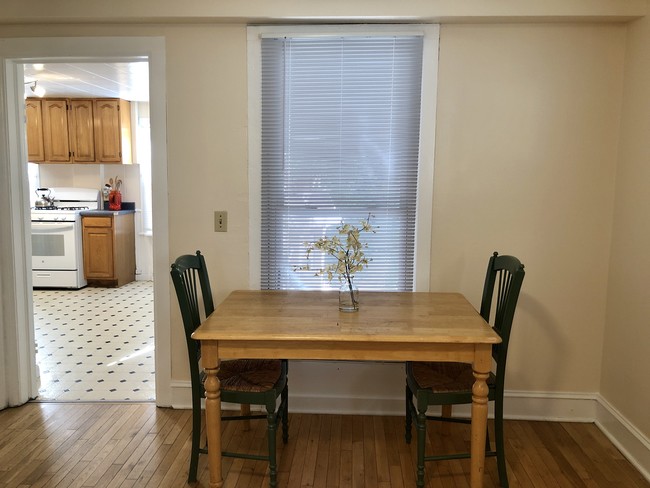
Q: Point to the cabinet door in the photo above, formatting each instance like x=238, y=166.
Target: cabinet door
x=98, y=251
x=108, y=147
x=82, y=131
x=55, y=131
x=34, y=129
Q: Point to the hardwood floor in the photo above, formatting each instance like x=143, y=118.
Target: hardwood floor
x=139, y=445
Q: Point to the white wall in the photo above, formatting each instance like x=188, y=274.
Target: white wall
x=525, y=163
x=627, y=334
x=263, y=11
x=526, y=155
x=528, y=120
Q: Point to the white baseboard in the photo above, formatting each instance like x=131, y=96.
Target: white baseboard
x=181, y=395
x=519, y=405
x=569, y=407
x=626, y=437
x=548, y=406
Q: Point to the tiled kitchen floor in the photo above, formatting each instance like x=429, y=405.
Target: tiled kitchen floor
x=95, y=344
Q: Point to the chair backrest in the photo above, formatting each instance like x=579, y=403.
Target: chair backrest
x=508, y=273
x=189, y=273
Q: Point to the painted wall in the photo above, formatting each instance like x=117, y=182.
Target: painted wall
x=262, y=11
x=627, y=334
x=528, y=119
x=527, y=126
x=526, y=153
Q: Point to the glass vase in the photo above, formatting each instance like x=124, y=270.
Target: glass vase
x=348, y=297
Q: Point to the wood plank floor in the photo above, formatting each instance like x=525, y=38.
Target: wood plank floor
x=139, y=445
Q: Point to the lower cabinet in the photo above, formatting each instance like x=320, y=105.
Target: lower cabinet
x=109, y=249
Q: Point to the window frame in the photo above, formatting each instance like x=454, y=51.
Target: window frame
x=424, y=205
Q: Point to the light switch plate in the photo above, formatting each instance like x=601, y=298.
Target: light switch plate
x=220, y=221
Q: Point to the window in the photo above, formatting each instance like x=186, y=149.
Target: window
x=340, y=122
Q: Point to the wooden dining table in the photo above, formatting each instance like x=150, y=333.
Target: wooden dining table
x=389, y=326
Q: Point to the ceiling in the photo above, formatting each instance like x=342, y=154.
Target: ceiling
x=126, y=80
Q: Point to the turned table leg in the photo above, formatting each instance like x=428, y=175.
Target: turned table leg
x=213, y=412
x=482, y=364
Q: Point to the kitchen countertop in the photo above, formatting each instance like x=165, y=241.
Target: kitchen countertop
x=104, y=213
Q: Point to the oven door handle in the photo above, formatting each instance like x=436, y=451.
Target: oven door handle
x=46, y=226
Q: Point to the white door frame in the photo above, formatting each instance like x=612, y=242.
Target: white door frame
x=17, y=355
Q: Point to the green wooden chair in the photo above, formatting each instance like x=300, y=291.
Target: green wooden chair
x=243, y=381
x=449, y=383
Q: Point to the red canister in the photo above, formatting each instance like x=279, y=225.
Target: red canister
x=114, y=200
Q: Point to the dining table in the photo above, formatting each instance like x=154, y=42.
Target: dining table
x=389, y=326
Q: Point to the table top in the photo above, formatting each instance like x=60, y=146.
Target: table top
x=389, y=326
x=313, y=316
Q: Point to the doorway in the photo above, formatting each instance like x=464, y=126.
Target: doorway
x=97, y=344
x=17, y=295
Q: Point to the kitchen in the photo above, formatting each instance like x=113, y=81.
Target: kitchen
x=93, y=296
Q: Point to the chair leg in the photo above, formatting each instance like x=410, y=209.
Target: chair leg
x=245, y=409
x=446, y=411
x=273, y=465
x=409, y=420
x=285, y=413
x=421, y=424
x=196, y=440
x=500, y=445
x=487, y=439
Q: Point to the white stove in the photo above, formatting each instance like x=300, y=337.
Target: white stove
x=66, y=204
x=57, y=251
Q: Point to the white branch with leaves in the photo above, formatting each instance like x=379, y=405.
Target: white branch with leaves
x=348, y=250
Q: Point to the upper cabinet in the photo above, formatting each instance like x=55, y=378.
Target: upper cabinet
x=78, y=130
x=34, y=113
x=112, y=130
x=55, y=131
x=81, y=124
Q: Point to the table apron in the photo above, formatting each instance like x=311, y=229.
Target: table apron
x=333, y=350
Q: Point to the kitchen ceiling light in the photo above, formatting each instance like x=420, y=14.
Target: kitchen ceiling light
x=39, y=91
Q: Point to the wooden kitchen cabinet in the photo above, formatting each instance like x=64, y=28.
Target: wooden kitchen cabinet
x=109, y=249
x=72, y=130
x=56, y=139
x=112, y=130
x=34, y=116
x=81, y=126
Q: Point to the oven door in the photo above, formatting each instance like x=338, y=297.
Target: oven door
x=53, y=246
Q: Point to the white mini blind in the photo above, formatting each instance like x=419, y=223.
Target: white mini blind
x=340, y=141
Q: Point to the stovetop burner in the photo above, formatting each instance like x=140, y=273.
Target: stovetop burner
x=68, y=199
x=53, y=207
